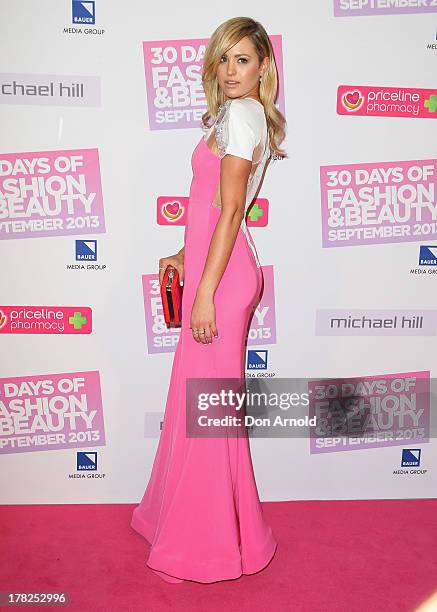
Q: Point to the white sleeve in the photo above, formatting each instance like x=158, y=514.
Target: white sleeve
x=240, y=131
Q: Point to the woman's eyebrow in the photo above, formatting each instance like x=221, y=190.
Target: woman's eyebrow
x=238, y=54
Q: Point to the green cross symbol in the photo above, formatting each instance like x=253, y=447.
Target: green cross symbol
x=77, y=320
x=256, y=212
x=431, y=103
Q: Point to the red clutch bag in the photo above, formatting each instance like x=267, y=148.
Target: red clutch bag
x=171, y=294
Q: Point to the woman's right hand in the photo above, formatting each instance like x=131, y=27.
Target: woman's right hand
x=177, y=261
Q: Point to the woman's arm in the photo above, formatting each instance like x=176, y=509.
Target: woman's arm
x=182, y=252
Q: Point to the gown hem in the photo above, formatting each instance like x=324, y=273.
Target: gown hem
x=233, y=570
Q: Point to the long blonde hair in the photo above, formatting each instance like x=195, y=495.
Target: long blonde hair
x=223, y=38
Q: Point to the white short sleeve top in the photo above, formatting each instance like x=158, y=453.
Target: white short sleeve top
x=241, y=130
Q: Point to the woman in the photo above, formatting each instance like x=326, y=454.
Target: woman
x=201, y=511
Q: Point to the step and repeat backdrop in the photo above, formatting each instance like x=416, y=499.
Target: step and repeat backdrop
x=100, y=111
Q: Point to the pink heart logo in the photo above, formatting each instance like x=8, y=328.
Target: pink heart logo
x=173, y=210
x=352, y=100
x=353, y=97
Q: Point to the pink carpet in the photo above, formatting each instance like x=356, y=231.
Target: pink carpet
x=332, y=555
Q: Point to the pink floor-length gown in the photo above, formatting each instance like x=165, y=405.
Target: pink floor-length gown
x=201, y=511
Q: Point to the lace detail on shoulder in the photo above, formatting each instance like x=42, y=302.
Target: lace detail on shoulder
x=221, y=128
x=240, y=129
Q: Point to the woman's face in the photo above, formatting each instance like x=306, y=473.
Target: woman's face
x=239, y=70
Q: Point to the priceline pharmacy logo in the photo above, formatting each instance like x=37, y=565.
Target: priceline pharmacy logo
x=45, y=320
x=380, y=101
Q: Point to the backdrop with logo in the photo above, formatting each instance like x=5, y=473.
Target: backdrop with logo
x=100, y=113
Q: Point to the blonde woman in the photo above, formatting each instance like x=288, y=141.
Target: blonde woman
x=201, y=511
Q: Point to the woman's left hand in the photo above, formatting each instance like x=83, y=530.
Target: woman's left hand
x=203, y=318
